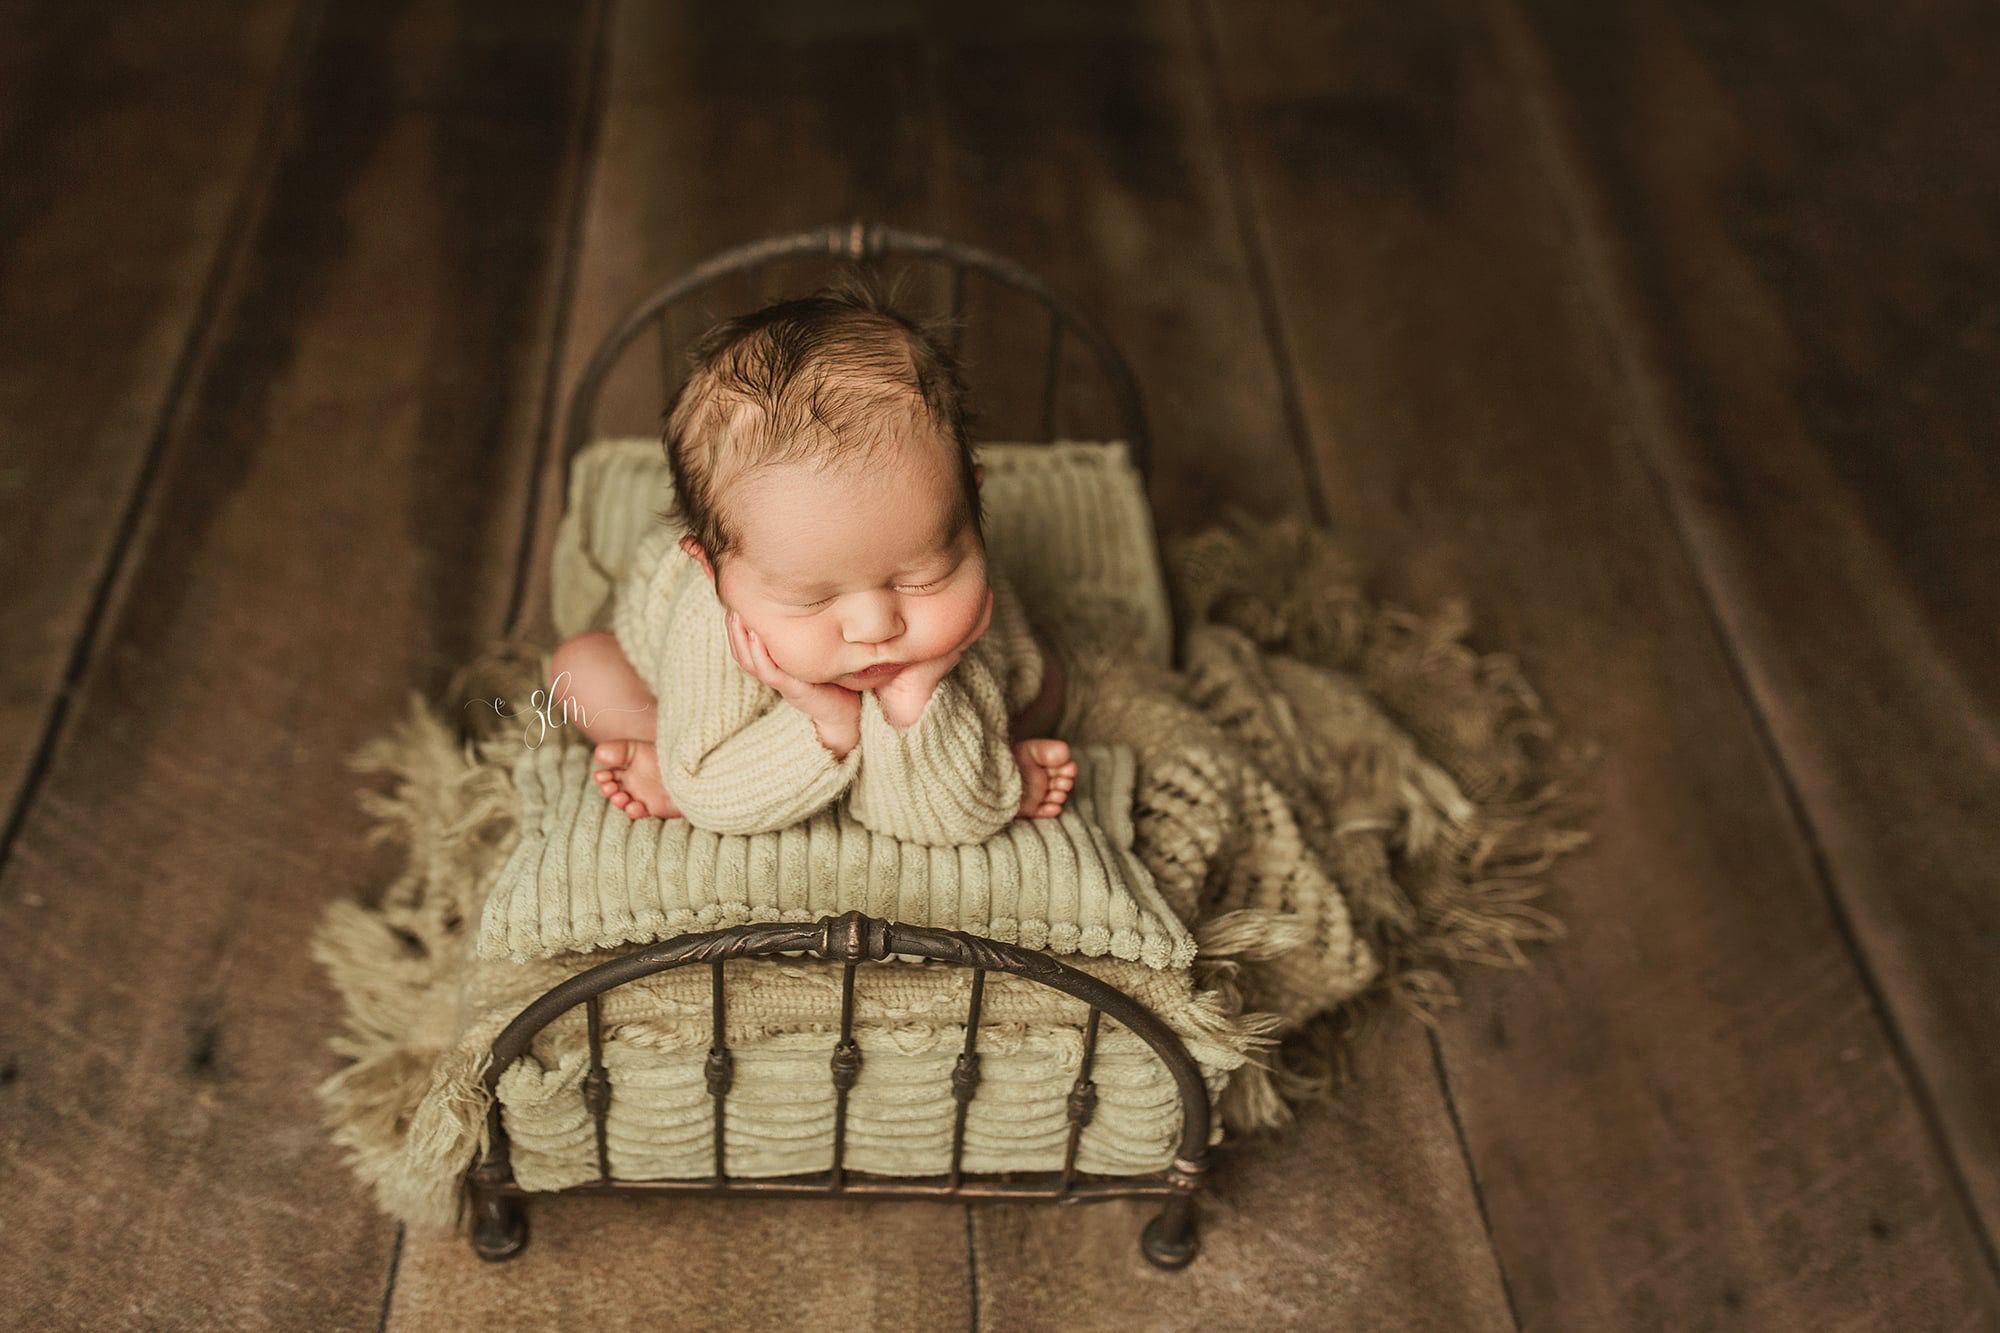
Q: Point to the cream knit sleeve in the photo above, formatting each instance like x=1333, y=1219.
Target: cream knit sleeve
x=769, y=773
x=733, y=754
x=645, y=597
x=951, y=778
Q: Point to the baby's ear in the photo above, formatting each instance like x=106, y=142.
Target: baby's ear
x=700, y=557
x=979, y=475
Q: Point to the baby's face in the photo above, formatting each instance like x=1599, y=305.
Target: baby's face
x=838, y=571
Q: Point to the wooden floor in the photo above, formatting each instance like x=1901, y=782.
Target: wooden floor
x=1667, y=335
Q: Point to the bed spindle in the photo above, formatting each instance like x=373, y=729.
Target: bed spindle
x=956, y=335
x=1082, y=1102
x=597, y=1085
x=718, y=1067
x=846, y=1064
x=1050, y=375
x=670, y=372
x=965, y=1075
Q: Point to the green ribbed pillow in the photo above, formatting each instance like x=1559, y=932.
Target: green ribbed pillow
x=585, y=875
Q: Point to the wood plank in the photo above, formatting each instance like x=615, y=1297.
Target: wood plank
x=827, y=145
x=719, y=127
x=1082, y=141
x=1691, y=1114
x=1360, y=1216
x=1811, y=265
x=626, y=1263
x=126, y=141
x=335, y=521
x=723, y=128
x=1075, y=139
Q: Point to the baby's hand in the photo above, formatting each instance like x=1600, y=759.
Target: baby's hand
x=834, y=705
x=904, y=695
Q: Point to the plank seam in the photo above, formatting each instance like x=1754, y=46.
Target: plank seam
x=1316, y=494
x=582, y=168
x=1471, y=1172
x=389, y=1287
x=259, y=177
x=1637, y=367
x=971, y=1273
x=1225, y=131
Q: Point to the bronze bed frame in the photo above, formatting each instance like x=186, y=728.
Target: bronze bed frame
x=1169, y=1239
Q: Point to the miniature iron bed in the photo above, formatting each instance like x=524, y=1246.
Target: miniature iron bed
x=1169, y=1239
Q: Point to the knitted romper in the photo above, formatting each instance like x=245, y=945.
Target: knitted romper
x=737, y=758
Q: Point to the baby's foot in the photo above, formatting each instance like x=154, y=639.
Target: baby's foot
x=1047, y=775
x=630, y=779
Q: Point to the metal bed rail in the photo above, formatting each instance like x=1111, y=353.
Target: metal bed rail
x=1168, y=1239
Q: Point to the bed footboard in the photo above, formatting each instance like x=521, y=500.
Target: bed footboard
x=1168, y=1240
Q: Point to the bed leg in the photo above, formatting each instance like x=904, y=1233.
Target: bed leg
x=1169, y=1240
x=499, y=1221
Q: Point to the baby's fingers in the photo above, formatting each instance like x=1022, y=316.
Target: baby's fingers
x=743, y=648
x=765, y=667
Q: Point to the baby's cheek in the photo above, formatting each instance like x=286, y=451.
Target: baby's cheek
x=792, y=651
x=816, y=657
x=946, y=624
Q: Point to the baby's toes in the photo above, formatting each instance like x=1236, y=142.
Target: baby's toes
x=1049, y=752
x=613, y=754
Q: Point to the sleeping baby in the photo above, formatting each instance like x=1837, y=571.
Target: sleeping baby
x=820, y=622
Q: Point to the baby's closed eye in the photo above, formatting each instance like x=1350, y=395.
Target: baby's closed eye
x=900, y=587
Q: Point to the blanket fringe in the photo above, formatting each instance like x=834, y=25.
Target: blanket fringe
x=409, y=1110
x=1487, y=800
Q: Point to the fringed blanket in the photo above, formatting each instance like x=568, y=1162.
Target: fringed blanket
x=1339, y=798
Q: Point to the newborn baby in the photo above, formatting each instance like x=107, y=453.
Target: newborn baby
x=822, y=624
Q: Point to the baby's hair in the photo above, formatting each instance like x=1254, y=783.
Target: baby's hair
x=815, y=377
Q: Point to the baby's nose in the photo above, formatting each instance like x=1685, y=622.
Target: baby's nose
x=872, y=620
